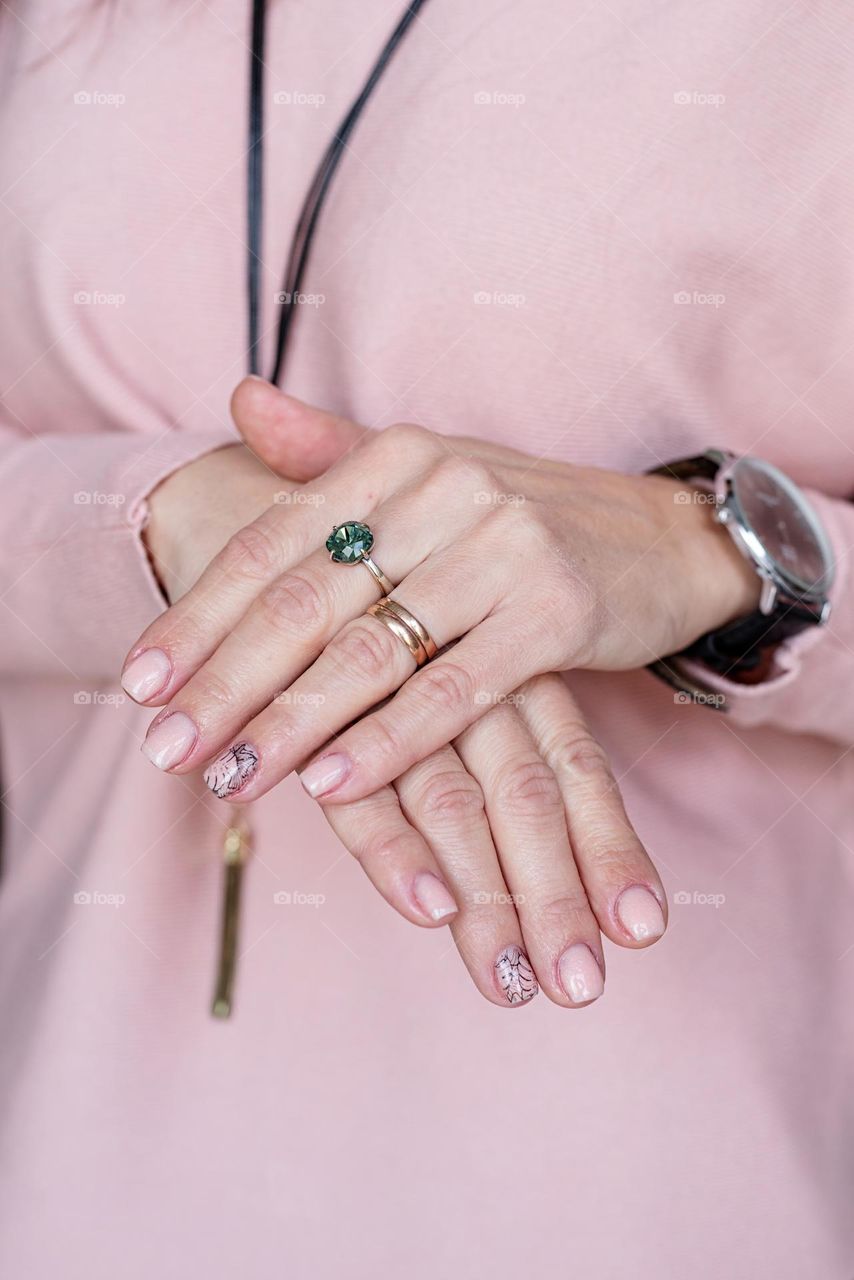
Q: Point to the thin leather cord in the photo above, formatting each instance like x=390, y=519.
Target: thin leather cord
x=255, y=177
x=317, y=192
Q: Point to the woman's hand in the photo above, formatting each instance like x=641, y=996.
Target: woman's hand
x=196, y=509
x=487, y=817
x=531, y=566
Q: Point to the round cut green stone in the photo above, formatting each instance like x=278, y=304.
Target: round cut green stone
x=349, y=543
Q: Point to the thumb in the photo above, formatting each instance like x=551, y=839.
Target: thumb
x=294, y=439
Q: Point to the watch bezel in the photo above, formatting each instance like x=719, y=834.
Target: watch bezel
x=778, y=582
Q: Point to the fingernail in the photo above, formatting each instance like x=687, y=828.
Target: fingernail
x=324, y=774
x=515, y=975
x=580, y=975
x=168, y=743
x=433, y=897
x=146, y=675
x=640, y=914
x=230, y=771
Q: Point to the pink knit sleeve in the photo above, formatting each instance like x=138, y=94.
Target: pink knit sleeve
x=810, y=687
x=75, y=583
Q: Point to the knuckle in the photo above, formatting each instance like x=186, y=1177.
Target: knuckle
x=212, y=690
x=371, y=652
x=252, y=552
x=528, y=786
x=406, y=439
x=464, y=475
x=569, y=911
x=581, y=755
x=376, y=849
x=294, y=600
x=451, y=794
x=444, y=686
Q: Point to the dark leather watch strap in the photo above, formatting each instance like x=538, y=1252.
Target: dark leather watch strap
x=738, y=649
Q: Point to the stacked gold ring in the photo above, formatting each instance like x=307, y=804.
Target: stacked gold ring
x=404, y=625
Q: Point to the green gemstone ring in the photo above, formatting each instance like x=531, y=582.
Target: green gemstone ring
x=351, y=543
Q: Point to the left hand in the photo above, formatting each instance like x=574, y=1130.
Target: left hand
x=530, y=565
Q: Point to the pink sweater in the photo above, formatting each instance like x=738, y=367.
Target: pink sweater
x=614, y=234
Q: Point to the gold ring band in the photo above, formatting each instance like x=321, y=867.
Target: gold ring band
x=401, y=623
x=385, y=584
x=417, y=628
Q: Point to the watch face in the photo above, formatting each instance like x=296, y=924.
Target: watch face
x=781, y=527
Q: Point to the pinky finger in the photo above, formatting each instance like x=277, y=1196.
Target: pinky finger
x=395, y=857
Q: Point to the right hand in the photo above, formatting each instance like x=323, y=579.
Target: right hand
x=516, y=835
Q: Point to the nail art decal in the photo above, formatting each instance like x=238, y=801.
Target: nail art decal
x=515, y=975
x=229, y=771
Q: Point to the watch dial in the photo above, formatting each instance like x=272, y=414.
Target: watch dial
x=781, y=520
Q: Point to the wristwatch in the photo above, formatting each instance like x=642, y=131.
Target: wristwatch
x=774, y=527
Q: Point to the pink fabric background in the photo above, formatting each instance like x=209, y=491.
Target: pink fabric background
x=365, y=1113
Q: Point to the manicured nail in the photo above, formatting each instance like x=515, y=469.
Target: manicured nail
x=169, y=742
x=580, y=975
x=433, y=897
x=640, y=914
x=515, y=975
x=324, y=774
x=146, y=675
x=230, y=771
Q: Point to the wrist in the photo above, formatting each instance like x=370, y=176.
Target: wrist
x=720, y=584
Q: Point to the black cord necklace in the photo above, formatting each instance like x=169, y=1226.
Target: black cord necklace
x=316, y=194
